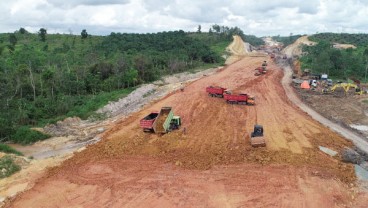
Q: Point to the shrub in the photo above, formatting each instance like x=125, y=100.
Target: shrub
x=5, y=148
x=7, y=166
x=25, y=135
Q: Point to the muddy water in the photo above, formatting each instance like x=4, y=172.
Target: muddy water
x=45, y=151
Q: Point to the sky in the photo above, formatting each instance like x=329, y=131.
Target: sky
x=255, y=17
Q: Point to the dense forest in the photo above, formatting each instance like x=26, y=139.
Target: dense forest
x=47, y=77
x=337, y=63
x=344, y=38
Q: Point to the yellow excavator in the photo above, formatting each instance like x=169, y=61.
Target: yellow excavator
x=346, y=87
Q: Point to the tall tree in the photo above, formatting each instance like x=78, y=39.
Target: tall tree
x=199, y=29
x=84, y=34
x=42, y=33
x=22, y=30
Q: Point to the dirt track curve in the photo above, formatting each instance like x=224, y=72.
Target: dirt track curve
x=211, y=164
x=294, y=49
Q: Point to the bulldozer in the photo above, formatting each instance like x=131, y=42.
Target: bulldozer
x=256, y=138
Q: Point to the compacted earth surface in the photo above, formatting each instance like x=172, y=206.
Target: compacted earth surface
x=209, y=161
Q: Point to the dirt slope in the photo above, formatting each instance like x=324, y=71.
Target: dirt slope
x=211, y=163
x=295, y=48
x=239, y=49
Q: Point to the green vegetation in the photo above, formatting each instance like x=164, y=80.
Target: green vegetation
x=286, y=40
x=47, y=77
x=25, y=135
x=7, y=149
x=344, y=38
x=7, y=166
x=338, y=63
x=226, y=33
x=253, y=40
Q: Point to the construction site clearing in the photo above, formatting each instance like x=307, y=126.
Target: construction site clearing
x=209, y=161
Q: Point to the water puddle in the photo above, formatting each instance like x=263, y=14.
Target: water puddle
x=44, y=151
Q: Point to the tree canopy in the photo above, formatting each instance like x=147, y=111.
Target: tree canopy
x=63, y=75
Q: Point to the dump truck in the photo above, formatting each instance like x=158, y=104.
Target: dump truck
x=147, y=122
x=215, y=91
x=256, y=138
x=244, y=99
x=162, y=122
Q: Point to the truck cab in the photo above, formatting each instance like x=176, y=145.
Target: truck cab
x=258, y=131
x=175, y=123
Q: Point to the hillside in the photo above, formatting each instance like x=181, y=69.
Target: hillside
x=341, y=56
x=343, y=38
x=66, y=75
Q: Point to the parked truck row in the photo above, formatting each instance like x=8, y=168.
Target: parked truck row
x=256, y=138
x=229, y=97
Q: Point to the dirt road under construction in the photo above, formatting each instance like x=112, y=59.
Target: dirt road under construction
x=211, y=162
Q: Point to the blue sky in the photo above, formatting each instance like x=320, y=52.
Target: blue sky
x=261, y=17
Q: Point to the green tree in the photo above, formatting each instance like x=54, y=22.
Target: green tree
x=13, y=39
x=84, y=34
x=42, y=33
x=22, y=31
x=199, y=29
x=365, y=54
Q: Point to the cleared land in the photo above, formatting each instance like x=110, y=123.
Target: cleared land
x=211, y=164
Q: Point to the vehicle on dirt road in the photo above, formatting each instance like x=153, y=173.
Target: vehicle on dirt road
x=215, y=91
x=244, y=99
x=162, y=122
x=260, y=71
x=256, y=138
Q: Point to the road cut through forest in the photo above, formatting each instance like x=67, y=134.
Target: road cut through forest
x=211, y=163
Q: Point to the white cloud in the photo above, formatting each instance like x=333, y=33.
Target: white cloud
x=261, y=17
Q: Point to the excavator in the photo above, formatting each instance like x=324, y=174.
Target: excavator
x=346, y=87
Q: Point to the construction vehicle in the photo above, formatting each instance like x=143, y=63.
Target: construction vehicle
x=260, y=71
x=345, y=86
x=244, y=99
x=162, y=122
x=215, y=91
x=256, y=138
x=147, y=122
x=264, y=63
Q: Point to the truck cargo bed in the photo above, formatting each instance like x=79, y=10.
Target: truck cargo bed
x=163, y=119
